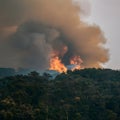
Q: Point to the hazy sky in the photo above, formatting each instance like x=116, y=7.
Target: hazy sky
x=106, y=14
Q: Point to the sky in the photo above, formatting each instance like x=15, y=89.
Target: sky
x=106, y=14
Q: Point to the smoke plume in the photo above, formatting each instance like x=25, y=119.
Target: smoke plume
x=31, y=30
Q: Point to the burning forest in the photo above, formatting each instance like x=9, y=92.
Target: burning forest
x=48, y=34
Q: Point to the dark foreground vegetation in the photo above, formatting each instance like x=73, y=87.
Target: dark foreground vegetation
x=89, y=94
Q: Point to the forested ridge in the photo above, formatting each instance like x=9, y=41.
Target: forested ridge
x=88, y=94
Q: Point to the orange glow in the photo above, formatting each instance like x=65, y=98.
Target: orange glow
x=76, y=61
x=55, y=64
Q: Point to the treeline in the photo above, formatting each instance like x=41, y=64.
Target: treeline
x=88, y=94
x=5, y=72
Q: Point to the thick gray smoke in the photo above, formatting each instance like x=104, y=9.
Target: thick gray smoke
x=31, y=30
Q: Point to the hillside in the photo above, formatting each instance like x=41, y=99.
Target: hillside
x=88, y=94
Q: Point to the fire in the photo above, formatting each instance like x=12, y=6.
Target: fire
x=56, y=64
x=76, y=61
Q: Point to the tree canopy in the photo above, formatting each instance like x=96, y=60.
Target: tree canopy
x=88, y=94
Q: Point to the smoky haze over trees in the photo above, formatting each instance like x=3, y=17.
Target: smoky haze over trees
x=31, y=30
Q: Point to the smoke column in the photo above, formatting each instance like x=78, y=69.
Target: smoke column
x=30, y=30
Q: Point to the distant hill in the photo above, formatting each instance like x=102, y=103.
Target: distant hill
x=88, y=94
x=4, y=72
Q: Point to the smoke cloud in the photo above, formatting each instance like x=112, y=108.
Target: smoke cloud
x=30, y=30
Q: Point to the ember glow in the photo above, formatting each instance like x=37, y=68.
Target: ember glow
x=76, y=61
x=56, y=64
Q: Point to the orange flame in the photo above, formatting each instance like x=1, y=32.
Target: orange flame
x=55, y=64
x=76, y=61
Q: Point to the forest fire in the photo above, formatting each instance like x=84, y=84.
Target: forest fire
x=56, y=64
x=76, y=61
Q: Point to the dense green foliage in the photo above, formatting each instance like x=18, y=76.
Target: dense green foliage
x=89, y=94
